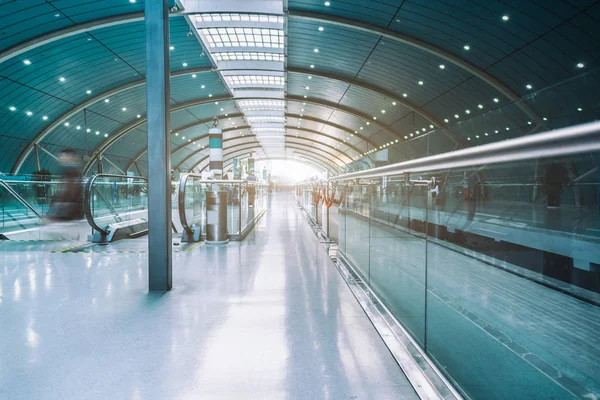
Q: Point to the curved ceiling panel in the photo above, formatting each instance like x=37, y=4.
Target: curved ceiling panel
x=354, y=76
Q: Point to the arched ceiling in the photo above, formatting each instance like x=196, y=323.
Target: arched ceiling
x=415, y=77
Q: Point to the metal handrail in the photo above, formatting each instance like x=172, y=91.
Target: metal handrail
x=88, y=196
x=181, y=198
x=19, y=198
x=584, y=138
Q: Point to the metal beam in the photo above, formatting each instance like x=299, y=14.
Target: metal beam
x=424, y=46
x=304, y=153
x=89, y=102
x=241, y=128
x=190, y=155
x=392, y=96
x=298, y=146
x=192, y=103
x=254, y=137
x=197, y=123
x=123, y=131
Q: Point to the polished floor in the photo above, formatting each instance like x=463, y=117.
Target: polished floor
x=266, y=318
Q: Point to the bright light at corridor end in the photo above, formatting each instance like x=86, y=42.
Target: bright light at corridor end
x=289, y=171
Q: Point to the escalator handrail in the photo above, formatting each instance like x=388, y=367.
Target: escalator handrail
x=19, y=198
x=182, y=185
x=88, y=196
x=181, y=198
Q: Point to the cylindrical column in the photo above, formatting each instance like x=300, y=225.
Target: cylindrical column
x=215, y=145
x=216, y=217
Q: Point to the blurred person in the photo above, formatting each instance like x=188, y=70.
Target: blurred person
x=66, y=204
x=554, y=180
x=251, y=188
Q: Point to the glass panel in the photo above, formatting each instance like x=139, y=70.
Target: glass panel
x=116, y=199
x=397, y=227
x=513, y=279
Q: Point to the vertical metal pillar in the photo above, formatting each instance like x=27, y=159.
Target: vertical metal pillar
x=99, y=164
x=215, y=151
x=37, y=156
x=158, y=92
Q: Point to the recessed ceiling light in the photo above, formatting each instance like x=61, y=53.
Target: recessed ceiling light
x=467, y=111
x=309, y=77
x=124, y=109
x=106, y=135
x=97, y=132
x=421, y=83
x=194, y=75
x=431, y=126
x=321, y=29
x=57, y=15
x=580, y=65
x=393, y=103
x=529, y=86
x=217, y=103
x=78, y=127
x=505, y=18
x=202, y=87
x=67, y=124
x=88, y=130
x=45, y=117
x=312, y=65
x=12, y=108
x=61, y=79
x=316, y=50
x=29, y=113
x=138, y=116
x=446, y=120
x=467, y=47
x=210, y=95
x=106, y=100
x=480, y=106
x=496, y=100
x=172, y=48
x=327, y=4
x=88, y=91
x=132, y=1
x=383, y=111
x=184, y=64
x=528, y=122
x=404, y=95
x=456, y=116
x=374, y=118
x=442, y=66
x=579, y=109
x=368, y=123
x=26, y=62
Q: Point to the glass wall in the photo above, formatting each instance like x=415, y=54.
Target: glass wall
x=493, y=269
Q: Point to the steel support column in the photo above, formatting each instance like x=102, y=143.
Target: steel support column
x=160, y=272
